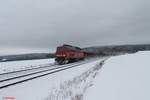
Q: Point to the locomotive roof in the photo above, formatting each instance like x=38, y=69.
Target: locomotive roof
x=71, y=47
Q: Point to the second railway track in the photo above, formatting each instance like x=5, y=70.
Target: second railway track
x=30, y=75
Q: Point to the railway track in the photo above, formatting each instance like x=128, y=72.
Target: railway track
x=22, y=70
x=11, y=79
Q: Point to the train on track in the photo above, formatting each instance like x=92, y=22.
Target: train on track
x=67, y=54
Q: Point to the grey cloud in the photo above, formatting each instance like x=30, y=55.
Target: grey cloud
x=48, y=23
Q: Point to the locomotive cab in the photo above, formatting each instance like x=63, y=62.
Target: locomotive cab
x=67, y=53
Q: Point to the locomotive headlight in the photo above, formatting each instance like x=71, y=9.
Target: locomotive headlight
x=64, y=55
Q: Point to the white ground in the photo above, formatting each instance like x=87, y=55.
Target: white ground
x=15, y=50
x=124, y=77
x=121, y=78
x=20, y=65
x=41, y=88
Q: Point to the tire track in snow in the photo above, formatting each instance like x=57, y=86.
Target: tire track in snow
x=74, y=89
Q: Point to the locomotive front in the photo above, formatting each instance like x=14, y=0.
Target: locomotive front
x=67, y=53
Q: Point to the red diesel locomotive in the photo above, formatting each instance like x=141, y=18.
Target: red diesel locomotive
x=67, y=53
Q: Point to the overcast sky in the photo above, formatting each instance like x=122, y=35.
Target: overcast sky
x=49, y=23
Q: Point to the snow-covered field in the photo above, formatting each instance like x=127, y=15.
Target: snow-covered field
x=123, y=77
x=21, y=65
x=41, y=88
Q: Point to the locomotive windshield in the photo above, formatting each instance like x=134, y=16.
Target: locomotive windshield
x=72, y=47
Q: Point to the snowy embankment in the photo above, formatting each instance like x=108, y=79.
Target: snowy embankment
x=21, y=65
x=124, y=77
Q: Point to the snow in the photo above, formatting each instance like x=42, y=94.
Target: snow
x=18, y=50
x=123, y=78
x=21, y=65
x=74, y=89
x=41, y=88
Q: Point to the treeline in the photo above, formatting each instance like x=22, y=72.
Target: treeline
x=117, y=49
x=98, y=50
x=26, y=57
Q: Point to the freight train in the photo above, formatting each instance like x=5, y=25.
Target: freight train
x=67, y=54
